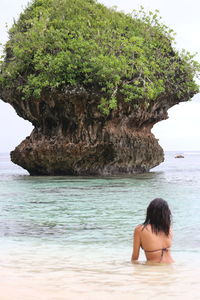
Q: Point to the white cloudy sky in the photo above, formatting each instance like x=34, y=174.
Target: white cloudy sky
x=181, y=131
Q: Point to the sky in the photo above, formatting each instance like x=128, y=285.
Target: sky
x=181, y=131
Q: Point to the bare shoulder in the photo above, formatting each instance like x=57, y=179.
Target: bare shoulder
x=138, y=228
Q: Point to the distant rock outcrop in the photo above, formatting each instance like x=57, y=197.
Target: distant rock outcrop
x=179, y=156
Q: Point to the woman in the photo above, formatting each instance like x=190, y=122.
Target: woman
x=154, y=236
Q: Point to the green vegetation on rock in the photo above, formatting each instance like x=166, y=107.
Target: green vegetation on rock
x=62, y=43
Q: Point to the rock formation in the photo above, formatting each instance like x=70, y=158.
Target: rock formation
x=73, y=136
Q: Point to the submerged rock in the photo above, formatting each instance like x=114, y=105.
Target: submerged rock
x=88, y=119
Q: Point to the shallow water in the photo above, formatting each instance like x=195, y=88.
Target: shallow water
x=71, y=237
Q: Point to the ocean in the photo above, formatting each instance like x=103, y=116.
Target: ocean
x=71, y=237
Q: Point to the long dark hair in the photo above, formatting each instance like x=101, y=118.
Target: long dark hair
x=158, y=216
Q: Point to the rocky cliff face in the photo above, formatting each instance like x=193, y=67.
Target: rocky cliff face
x=72, y=137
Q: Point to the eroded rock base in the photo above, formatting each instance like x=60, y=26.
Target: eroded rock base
x=124, y=153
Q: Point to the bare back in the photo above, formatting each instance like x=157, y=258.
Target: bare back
x=156, y=246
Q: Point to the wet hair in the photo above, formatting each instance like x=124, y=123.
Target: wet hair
x=158, y=216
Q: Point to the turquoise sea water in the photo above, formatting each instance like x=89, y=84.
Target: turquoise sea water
x=71, y=237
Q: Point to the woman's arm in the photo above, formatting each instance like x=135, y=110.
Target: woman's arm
x=136, y=244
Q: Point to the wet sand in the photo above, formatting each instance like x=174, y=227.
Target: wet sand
x=105, y=281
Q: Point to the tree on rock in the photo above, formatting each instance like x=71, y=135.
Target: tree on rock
x=93, y=81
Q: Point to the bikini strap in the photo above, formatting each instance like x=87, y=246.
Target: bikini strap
x=162, y=249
